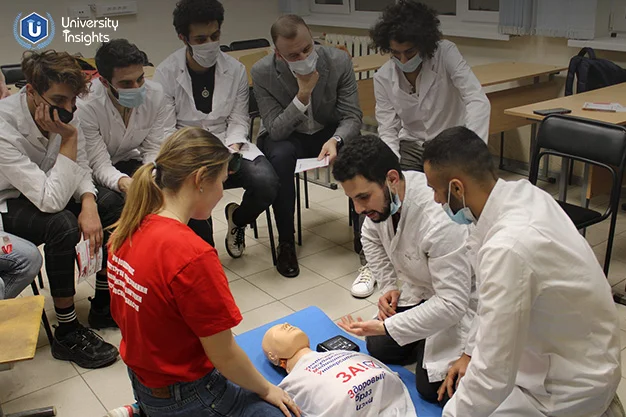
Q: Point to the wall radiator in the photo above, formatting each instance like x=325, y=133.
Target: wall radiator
x=356, y=45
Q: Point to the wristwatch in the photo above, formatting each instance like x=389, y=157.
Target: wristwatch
x=339, y=141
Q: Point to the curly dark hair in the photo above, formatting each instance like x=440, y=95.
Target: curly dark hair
x=42, y=69
x=368, y=156
x=118, y=53
x=407, y=21
x=196, y=11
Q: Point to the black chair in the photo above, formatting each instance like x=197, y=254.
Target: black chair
x=249, y=44
x=253, y=109
x=44, y=317
x=591, y=142
x=225, y=48
x=12, y=73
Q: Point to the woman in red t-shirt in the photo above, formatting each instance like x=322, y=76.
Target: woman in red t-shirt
x=170, y=296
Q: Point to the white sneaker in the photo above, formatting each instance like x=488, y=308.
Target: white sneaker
x=131, y=410
x=363, y=285
x=235, y=235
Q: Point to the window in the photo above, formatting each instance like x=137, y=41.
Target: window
x=371, y=5
x=484, y=5
x=330, y=6
x=443, y=7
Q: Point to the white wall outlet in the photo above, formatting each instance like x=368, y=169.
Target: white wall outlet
x=82, y=12
x=116, y=9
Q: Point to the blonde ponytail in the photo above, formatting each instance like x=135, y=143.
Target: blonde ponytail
x=183, y=154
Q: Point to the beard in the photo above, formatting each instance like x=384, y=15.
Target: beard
x=455, y=204
x=384, y=215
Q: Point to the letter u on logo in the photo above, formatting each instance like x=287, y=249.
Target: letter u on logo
x=31, y=28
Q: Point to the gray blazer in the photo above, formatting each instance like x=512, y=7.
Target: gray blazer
x=335, y=98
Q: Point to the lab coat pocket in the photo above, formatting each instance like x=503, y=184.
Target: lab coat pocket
x=222, y=107
x=409, y=108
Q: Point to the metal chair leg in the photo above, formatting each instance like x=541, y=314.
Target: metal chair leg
x=298, y=210
x=44, y=318
x=255, y=229
x=270, y=232
x=40, y=279
x=40, y=412
x=306, y=191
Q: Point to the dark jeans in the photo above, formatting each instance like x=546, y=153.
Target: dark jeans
x=386, y=350
x=210, y=396
x=283, y=155
x=260, y=183
x=128, y=167
x=59, y=233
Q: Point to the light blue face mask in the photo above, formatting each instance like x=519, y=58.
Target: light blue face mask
x=410, y=65
x=132, y=97
x=395, y=203
x=463, y=216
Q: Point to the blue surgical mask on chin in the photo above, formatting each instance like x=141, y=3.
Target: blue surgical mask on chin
x=463, y=216
x=395, y=204
x=410, y=65
x=132, y=97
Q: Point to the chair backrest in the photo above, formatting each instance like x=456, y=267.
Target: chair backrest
x=225, y=48
x=12, y=73
x=253, y=107
x=584, y=139
x=249, y=44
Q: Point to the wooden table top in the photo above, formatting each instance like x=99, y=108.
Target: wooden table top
x=614, y=93
x=20, y=319
x=502, y=72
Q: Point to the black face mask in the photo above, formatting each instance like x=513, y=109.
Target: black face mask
x=64, y=115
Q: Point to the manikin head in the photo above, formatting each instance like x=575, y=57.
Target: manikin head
x=282, y=342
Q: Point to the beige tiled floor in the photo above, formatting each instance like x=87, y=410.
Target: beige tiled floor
x=328, y=267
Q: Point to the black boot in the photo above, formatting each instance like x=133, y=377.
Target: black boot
x=287, y=264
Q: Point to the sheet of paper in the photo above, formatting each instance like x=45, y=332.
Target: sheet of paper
x=86, y=265
x=307, y=164
x=607, y=107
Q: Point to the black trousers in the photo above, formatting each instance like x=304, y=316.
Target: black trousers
x=283, y=155
x=386, y=350
x=59, y=233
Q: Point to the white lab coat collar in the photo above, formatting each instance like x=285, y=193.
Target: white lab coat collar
x=491, y=212
x=427, y=78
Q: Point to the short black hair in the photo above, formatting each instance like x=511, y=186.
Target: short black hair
x=367, y=156
x=188, y=12
x=407, y=21
x=460, y=148
x=117, y=53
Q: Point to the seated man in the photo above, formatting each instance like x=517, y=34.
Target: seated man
x=547, y=330
x=47, y=195
x=418, y=256
x=424, y=88
x=20, y=262
x=335, y=383
x=207, y=88
x=122, y=117
x=307, y=96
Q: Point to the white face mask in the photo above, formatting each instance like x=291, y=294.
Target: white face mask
x=206, y=54
x=305, y=66
x=410, y=65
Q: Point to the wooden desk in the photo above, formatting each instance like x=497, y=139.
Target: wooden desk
x=502, y=72
x=20, y=319
x=595, y=181
x=369, y=62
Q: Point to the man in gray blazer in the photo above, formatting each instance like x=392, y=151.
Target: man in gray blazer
x=307, y=96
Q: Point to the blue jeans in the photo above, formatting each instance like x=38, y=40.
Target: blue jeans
x=210, y=396
x=19, y=267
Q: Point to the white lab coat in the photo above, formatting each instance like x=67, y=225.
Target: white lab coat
x=108, y=139
x=30, y=164
x=548, y=335
x=449, y=95
x=427, y=256
x=230, y=118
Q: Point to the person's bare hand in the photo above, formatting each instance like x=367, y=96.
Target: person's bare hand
x=306, y=84
x=4, y=91
x=42, y=118
x=236, y=147
x=359, y=327
x=279, y=398
x=328, y=150
x=90, y=225
x=455, y=373
x=124, y=184
x=387, y=304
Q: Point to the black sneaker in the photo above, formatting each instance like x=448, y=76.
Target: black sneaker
x=100, y=318
x=236, y=236
x=287, y=263
x=85, y=348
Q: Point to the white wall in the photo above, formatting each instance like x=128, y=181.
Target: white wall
x=151, y=29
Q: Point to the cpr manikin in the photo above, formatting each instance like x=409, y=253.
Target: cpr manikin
x=336, y=383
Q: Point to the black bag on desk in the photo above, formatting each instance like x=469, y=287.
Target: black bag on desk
x=592, y=73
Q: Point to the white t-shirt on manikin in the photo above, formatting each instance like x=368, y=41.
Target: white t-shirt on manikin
x=343, y=383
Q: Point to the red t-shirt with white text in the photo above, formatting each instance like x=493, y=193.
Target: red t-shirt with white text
x=168, y=289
